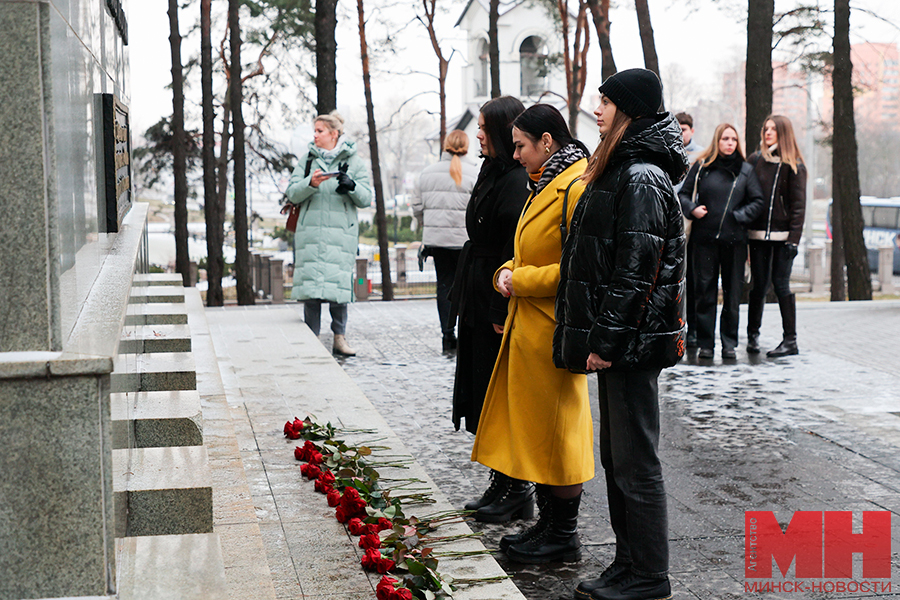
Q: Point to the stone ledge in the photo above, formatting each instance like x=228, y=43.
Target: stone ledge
x=175, y=567
x=156, y=294
x=159, y=338
x=162, y=491
x=167, y=371
x=160, y=313
x=31, y=365
x=152, y=279
x=156, y=419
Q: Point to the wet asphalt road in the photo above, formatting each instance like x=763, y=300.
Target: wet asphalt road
x=819, y=431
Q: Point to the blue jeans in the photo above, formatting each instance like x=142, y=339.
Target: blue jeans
x=312, y=315
x=629, y=443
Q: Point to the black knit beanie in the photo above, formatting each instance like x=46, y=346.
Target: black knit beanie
x=636, y=92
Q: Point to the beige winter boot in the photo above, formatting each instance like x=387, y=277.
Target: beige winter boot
x=342, y=347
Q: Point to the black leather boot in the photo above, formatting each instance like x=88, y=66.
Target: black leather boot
x=499, y=483
x=558, y=541
x=635, y=587
x=517, y=502
x=543, y=497
x=613, y=574
x=788, y=345
x=754, y=321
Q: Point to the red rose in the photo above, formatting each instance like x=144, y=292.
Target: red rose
x=384, y=524
x=327, y=477
x=384, y=565
x=357, y=527
x=369, y=540
x=289, y=431
x=402, y=594
x=372, y=528
x=322, y=487
x=304, y=469
x=385, y=588
x=315, y=457
x=312, y=471
x=298, y=425
x=371, y=559
x=341, y=515
x=334, y=498
x=299, y=453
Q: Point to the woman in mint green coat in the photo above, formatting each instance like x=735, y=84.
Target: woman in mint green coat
x=329, y=183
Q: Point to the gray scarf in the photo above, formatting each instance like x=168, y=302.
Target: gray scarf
x=561, y=160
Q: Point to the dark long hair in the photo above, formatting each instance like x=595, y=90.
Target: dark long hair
x=499, y=115
x=544, y=118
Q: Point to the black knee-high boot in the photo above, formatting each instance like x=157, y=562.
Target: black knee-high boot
x=788, y=346
x=558, y=541
x=754, y=321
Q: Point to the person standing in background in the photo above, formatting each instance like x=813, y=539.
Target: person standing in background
x=491, y=216
x=693, y=150
x=327, y=237
x=775, y=234
x=439, y=205
x=721, y=194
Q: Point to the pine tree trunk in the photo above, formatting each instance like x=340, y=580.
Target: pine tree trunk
x=758, y=75
x=494, y=47
x=600, y=13
x=326, y=56
x=387, y=285
x=179, y=160
x=215, y=262
x=845, y=164
x=242, y=248
x=648, y=43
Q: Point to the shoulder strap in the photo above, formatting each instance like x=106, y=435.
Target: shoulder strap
x=696, y=181
x=563, y=229
x=309, y=160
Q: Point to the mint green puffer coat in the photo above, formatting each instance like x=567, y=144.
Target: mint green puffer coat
x=327, y=234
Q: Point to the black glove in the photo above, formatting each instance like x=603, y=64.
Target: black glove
x=345, y=183
x=793, y=249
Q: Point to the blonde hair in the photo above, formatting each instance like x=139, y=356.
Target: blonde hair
x=788, y=149
x=456, y=144
x=333, y=121
x=608, y=143
x=708, y=156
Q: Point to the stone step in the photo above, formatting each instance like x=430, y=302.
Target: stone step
x=156, y=293
x=154, y=372
x=158, y=338
x=175, y=567
x=160, y=313
x=156, y=419
x=162, y=491
x=142, y=279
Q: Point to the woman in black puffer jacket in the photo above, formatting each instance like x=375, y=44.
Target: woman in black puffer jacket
x=774, y=235
x=722, y=195
x=619, y=311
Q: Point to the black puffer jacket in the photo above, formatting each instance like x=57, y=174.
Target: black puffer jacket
x=785, y=201
x=732, y=201
x=621, y=288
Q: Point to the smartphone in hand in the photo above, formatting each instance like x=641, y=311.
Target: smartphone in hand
x=331, y=174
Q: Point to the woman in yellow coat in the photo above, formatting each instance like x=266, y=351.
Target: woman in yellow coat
x=536, y=421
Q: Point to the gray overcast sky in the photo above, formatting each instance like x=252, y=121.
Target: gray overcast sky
x=704, y=42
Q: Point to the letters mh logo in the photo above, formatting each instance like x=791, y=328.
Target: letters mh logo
x=821, y=543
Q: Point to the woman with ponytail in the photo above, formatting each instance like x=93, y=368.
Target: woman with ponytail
x=439, y=205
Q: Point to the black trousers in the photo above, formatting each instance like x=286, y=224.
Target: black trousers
x=445, y=260
x=629, y=444
x=771, y=261
x=690, y=307
x=710, y=260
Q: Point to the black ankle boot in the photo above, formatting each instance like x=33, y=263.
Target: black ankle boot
x=753, y=343
x=558, y=541
x=788, y=346
x=499, y=483
x=543, y=497
x=517, y=502
x=613, y=574
x=635, y=587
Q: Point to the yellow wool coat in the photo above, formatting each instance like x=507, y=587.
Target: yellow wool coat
x=536, y=421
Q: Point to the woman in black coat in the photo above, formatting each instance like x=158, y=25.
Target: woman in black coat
x=619, y=311
x=722, y=195
x=491, y=217
x=775, y=234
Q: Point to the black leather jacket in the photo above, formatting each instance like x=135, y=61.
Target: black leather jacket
x=621, y=289
x=785, y=201
x=732, y=201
